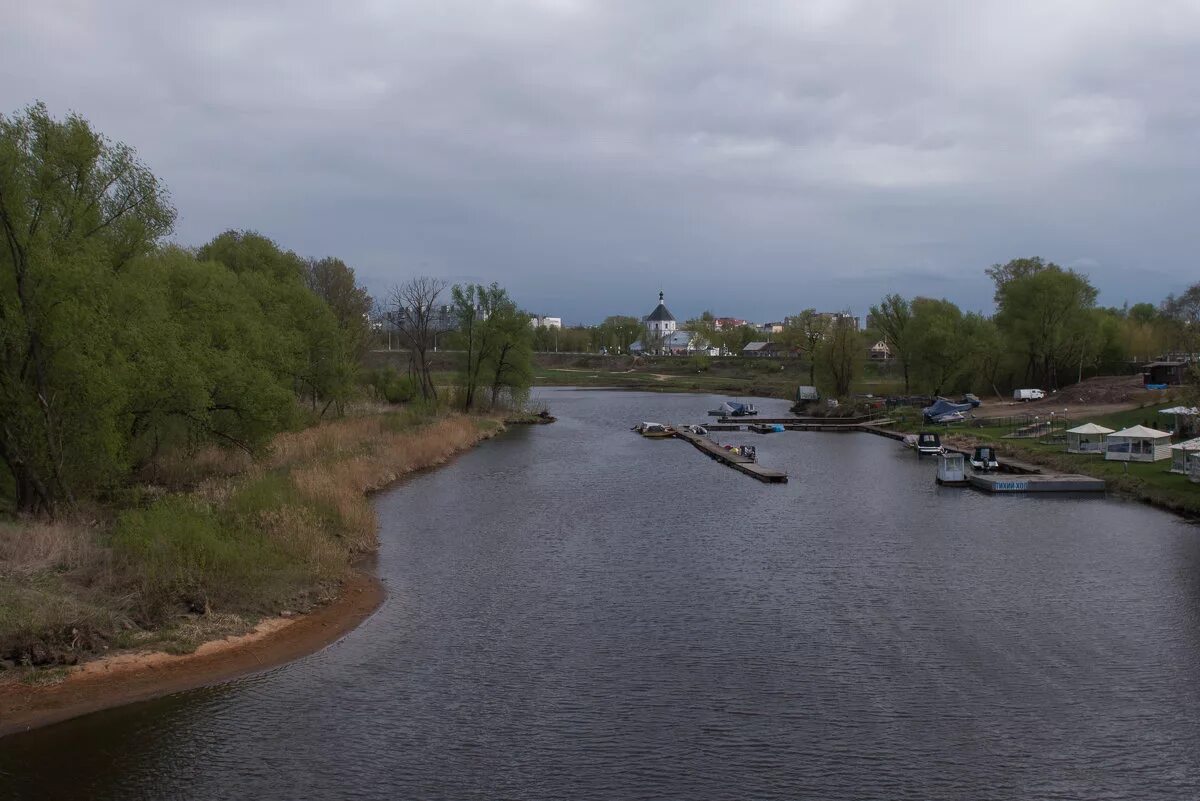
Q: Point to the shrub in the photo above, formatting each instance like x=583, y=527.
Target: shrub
x=180, y=552
x=391, y=385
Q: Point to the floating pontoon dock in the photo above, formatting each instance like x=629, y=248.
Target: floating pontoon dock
x=1058, y=482
x=736, y=461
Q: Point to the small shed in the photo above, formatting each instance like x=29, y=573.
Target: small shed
x=807, y=394
x=1179, y=454
x=1138, y=444
x=1164, y=373
x=760, y=349
x=1087, y=438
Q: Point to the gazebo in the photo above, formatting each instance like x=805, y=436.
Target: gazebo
x=1179, y=454
x=1087, y=438
x=1183, y=419
x=1138, y=444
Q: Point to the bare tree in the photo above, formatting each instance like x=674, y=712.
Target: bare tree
x=418, y=320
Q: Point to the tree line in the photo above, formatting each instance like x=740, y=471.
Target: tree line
x=117, y=346
x=1047, y=331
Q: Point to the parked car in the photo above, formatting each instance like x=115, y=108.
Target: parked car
x=1028, y=394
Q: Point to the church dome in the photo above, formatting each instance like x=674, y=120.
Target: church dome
x=661, y=313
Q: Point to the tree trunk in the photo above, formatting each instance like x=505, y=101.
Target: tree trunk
x=32, y=496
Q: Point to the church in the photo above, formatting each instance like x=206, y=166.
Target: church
x=662, y=334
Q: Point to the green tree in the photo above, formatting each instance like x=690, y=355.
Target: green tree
x=511, y=360
x=840, y=356
x=805, y=332
x=617, y=333
x=75, y=209
x=312, y=350
x=1002, y=274
x=891, y=319
x=495, y=339
x=203, y=355
x=1041, y=313
x=936, y=343
x=985, y=354
x=334, y=282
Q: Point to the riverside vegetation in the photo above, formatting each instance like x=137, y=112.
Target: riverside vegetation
x=186, y=436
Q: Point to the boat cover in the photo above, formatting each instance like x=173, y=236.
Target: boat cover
x=941, y=406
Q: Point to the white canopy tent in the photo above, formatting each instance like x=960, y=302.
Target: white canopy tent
x=1138, y=444
x=1179, y=454
x=1087, y=438
x=1180, y=410
x=1183, y=419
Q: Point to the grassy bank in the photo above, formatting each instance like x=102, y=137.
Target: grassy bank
x=732, y=375
x=1146, y=481
x=207, y=546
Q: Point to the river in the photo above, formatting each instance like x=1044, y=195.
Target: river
x=575, y=612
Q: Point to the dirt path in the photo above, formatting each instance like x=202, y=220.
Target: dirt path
x=127, y=678
x=1074, y=411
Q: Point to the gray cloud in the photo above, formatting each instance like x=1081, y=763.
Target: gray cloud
x=750, y=158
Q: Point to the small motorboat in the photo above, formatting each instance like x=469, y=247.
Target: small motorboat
x=654, y=430
x=699, y=431
x=744, y=410
x=984, y=459
x=734, y=409
x=766, y=428
x=928, y=444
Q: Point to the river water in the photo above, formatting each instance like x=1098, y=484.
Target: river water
x=575, y=612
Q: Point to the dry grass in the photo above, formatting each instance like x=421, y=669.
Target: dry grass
x=182, y=470
x=59, y=546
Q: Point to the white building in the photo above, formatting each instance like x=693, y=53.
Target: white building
x=660, y=322
x=880, y=352
x=660, y=325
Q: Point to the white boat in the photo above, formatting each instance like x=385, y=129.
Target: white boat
x=984, y=459
x=654, y=430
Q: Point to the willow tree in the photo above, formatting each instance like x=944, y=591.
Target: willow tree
x=841, y=355
x=75, y=210
x=1042, y=313
x=892, y=318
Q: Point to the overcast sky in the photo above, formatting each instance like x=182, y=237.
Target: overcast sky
x=751, y=158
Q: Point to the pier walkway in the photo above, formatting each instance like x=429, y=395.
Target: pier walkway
x=736, y=461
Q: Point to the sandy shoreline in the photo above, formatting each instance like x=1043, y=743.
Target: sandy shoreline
x=130, y=677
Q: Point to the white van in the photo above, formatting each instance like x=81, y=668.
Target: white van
x=1028, y=394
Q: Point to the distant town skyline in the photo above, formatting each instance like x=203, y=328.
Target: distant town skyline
x=751, y=159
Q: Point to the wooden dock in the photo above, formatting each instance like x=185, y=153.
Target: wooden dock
x=804, y=425
x=737, y=462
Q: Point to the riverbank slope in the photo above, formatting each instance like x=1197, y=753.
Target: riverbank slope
x=250, y=566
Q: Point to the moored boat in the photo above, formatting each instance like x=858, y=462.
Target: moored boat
x=928, y=444
x=984, y=459
x=654, y=430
